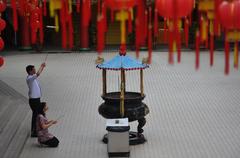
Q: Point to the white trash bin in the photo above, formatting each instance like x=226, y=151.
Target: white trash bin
x=118, y=137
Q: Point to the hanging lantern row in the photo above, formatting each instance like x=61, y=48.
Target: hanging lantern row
x=173, y=11
x=209, y=25
x=2, y=27
x=229, y=13
x=36, y=22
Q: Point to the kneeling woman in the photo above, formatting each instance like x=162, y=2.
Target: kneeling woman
x=44, y=137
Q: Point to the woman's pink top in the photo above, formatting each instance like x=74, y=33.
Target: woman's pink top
x=43, y=134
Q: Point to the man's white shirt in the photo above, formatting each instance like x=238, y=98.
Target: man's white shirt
x=34, y=87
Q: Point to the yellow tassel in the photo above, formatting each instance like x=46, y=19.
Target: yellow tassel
x=211, y=28
x=219, y=30
x=235, y=54
x=51, y=8
x=56, y=23
x=179, y=25
x=204, y=30
x=122, y=16
x=54, y=5
x=70, y=6
x=174, y=46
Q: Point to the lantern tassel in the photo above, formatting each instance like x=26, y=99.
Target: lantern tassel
x=155, y=23
x=197, y=50
x=206, y=35
x=170, y=54
x=236, y=55
x=179, y=47
x=211, y=49
x=41, y=25
x=44, y=7
x=15, y=19
x=70, y=31
x=165, y=31
x=186, y=31
x=100, y=34
x=129, y=21
x=150, y=36
x=226, y=57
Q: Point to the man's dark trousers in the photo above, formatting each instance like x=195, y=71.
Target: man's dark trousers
x=35, y=104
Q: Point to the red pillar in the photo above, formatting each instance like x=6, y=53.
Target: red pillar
x=24, y=33
x=85, y=21
x=84, y=38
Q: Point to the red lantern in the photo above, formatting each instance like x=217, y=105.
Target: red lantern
x=1, y=61
x=120, y=4
x=35, y=2
x=2, y=24
x=2, y=6
x=237, y=14
x=36, y=25
x=35, y=17
x=229, y=14
x=1, y=43
x=225, y=14
x=174, y=8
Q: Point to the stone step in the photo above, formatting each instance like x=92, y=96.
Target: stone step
x=4, y=101
x=16, y=125
x=8, y=91
x=18, y=141
x=9, y=112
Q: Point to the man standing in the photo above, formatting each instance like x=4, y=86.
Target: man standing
x=34, y=93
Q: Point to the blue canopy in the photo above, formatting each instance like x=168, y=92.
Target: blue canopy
x=122, y=62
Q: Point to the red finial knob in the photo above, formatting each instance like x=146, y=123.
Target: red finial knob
x=122, y=50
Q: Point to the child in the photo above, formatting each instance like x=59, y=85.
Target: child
x=44, y=137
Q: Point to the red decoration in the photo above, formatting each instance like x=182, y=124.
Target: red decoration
x=170, y=52
x=1, y=61
x=186, y=31
x=237, y=55
x=226, y=57
x=174, y=8
x=86, y=12
x=2, y=6
x=41, y=34
x=2, y=24
x=197, y=50
x=100, y=34
x=1, y=44
x=211, y=49
x=229, y=14
x=122, y=50
x=120, y=4
x=150, y=36
x=129, y=21
x=63, y=25
x=70, y=31
x=45, y=7
x=140, y=35
x=178, y=40
x=155, y=26
x=15, y=19
x=78, y=6
x=165, y=31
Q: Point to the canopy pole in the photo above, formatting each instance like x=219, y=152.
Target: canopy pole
x=141, y=82
x=104, y=80
x=122, y=93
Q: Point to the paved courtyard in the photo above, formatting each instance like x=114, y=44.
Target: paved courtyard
x=193, y=114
